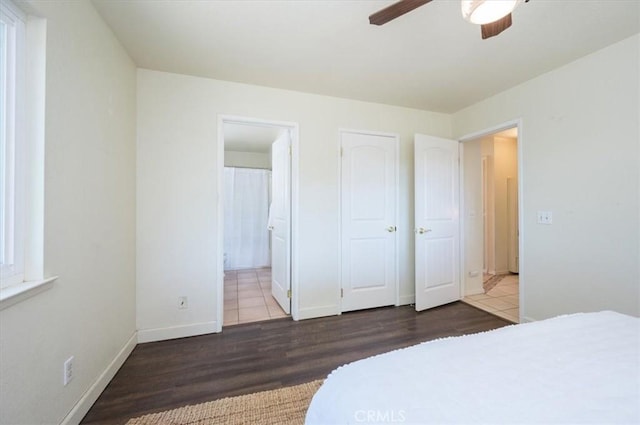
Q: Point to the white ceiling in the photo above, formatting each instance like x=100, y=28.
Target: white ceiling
x=429, y=59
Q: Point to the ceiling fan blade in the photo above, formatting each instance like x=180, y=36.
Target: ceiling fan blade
x=494, y=28
x=396, y=9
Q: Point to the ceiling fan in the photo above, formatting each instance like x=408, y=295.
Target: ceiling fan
x=494, y=16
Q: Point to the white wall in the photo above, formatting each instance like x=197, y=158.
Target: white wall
x=247, y=159
x=89, y=226
x=473, y=218
x=580, y=148
x=177, y=200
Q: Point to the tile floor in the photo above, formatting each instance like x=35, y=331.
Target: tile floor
x=247, y=297
x=502, y=300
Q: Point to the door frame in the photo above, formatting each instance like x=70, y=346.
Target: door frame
x=294, y=130
x=521, y=194
x=397, y=201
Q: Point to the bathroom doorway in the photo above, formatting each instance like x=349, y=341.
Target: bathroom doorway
x=492, y=223
x=257, y=237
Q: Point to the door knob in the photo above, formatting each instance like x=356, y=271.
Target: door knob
x=422, y=230
x=270, y=228
x=391, y=229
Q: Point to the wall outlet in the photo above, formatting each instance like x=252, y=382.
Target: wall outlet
x=68, y=371
x=182, y=303
x=545, y=217
x=474, y=273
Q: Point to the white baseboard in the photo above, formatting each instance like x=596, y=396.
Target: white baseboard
x=407, y=299
x=91, y=395
x=473, y=291
x=314, y=312
x=161, y=334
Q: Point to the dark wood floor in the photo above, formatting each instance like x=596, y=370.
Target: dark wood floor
x=266, y=355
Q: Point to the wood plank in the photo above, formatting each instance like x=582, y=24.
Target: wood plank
x=266, y=355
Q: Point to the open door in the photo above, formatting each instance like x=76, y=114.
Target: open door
x=437, y=232
x=280, y=222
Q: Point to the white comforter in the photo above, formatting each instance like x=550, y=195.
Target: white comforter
x=580, y=368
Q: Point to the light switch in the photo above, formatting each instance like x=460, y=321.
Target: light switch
x=545, y=217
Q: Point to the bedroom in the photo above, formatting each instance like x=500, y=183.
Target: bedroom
x=126, y=226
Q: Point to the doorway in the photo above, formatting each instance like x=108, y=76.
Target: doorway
x=256, y=221
x=491, y=198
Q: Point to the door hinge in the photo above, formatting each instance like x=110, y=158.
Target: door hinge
x=341, y=293
x=341, y=151
x=289, y=150
x=288, y=293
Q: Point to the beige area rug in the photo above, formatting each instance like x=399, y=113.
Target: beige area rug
x=282, y=406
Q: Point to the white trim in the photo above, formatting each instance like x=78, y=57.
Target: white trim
x=407, y=299
x=339, y=289
x=397, y=218
x=493, y=130
x=295, y=193
x=219, y=291
x=31, y=103
x=19, y=292
x=369, y=133
x=14, y=125
x=35, y=136
x=294, y=132
x=462, y=264
x=83, y=405
x=521, y=195
x=321, y=311
x=173, y=332
x=521, y=231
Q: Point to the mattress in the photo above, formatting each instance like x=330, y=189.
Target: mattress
x=579, y=368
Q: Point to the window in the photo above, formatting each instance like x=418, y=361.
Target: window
x=12, y=144
x=22, y=94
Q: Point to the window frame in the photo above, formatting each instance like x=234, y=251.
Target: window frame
x=30, y=156
x=12, y=145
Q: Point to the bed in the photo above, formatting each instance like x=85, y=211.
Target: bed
x=579, y=368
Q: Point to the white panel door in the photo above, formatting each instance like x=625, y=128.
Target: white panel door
x=280, y=222
x=368, y=218
x=437, y=232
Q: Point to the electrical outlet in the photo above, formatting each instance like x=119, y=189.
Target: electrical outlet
x=182, y=303
x=545, y=217
x=68, y=371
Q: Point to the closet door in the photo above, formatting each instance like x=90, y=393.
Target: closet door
x=437, y=232
x=369, y=193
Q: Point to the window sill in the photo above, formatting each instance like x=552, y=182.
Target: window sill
x=21, y=291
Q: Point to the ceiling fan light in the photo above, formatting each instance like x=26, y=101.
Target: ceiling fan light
x=486, y=11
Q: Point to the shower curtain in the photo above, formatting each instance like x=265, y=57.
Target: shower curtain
x=246, y=209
